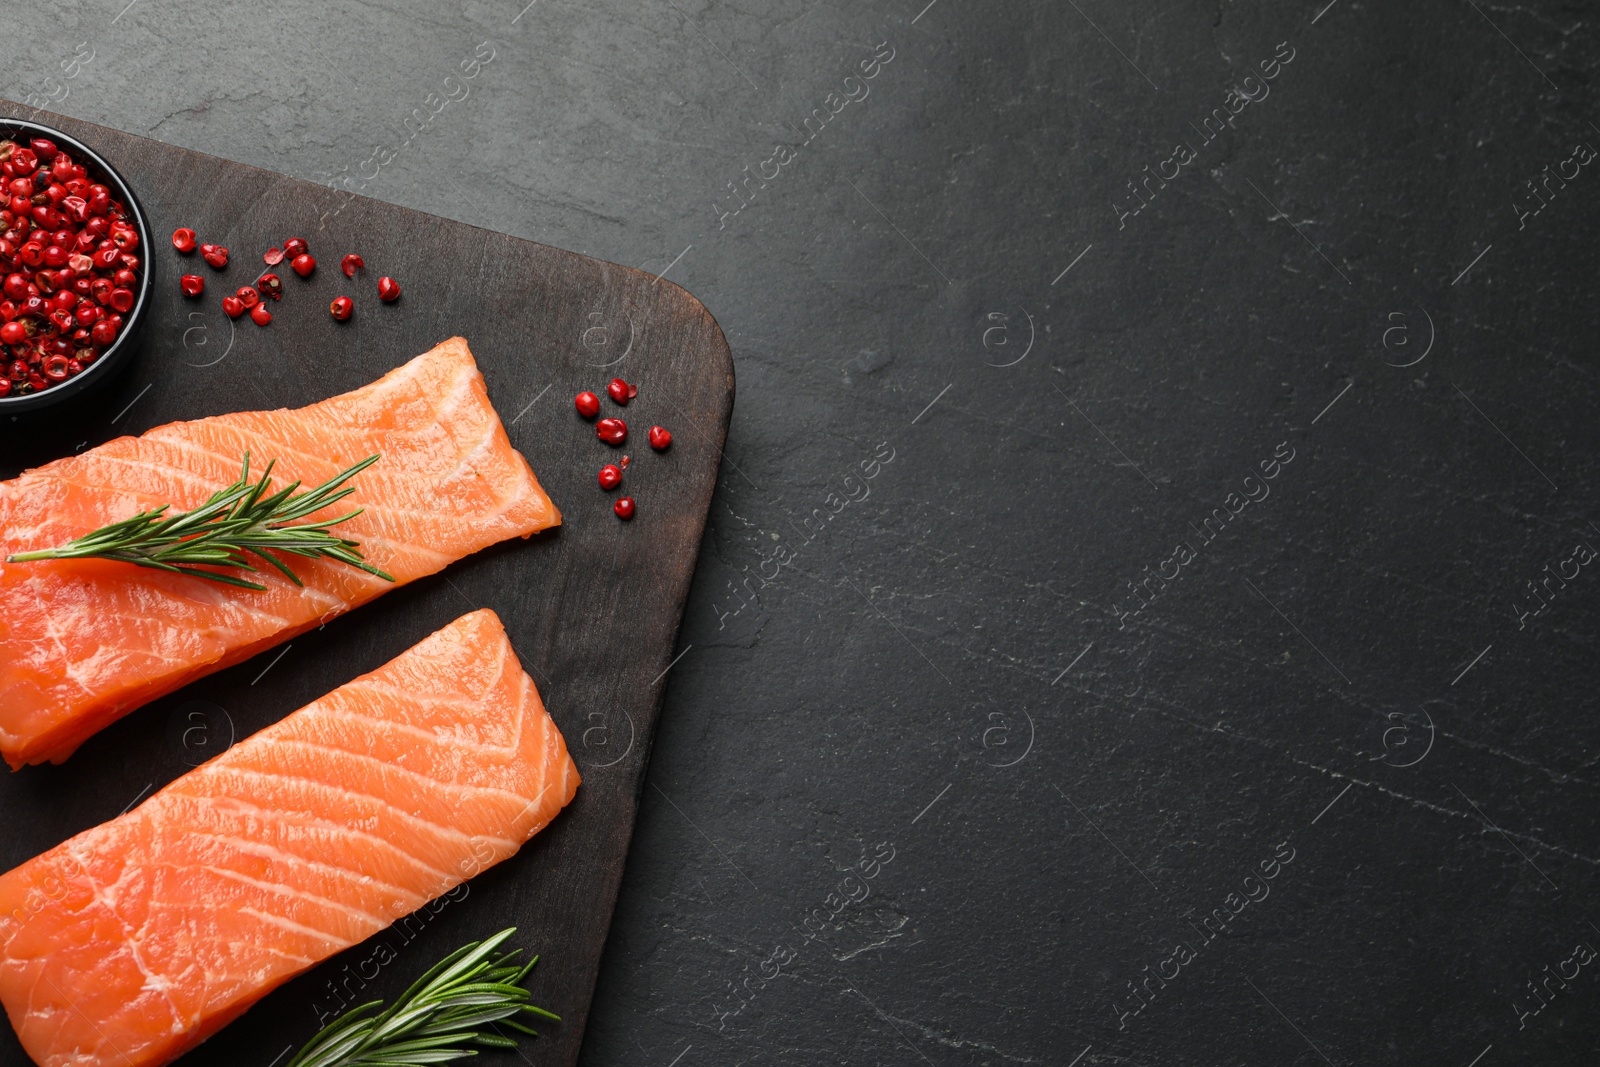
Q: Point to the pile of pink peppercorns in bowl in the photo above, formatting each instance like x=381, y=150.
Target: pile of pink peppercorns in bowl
x=252, y=299
x=74, y=272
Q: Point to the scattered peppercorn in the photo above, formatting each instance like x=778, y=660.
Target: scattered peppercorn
x=621, y=391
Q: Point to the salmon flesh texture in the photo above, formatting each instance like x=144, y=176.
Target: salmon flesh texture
x=84, y=642
x=134, y=941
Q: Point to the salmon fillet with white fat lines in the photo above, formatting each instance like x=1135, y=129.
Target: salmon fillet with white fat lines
x=84, y=642
x=134, y=941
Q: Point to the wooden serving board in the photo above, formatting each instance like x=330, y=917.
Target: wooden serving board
x=592, y=607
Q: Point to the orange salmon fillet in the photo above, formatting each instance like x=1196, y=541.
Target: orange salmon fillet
x=84, y=642
x=134, y=941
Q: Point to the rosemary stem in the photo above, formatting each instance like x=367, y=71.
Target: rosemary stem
x=29, y=557
x=238, y=519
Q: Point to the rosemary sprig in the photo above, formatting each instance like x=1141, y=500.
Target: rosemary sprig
x=452, y=1006
x=241, y=518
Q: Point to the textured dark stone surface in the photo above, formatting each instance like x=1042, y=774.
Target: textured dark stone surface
x=1340, y=672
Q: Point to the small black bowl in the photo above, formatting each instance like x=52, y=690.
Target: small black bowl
x=114, y=359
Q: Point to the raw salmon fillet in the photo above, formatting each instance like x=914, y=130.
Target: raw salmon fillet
x=84, y=642
x=134, y=941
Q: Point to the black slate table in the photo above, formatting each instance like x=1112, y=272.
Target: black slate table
x=966, y=760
